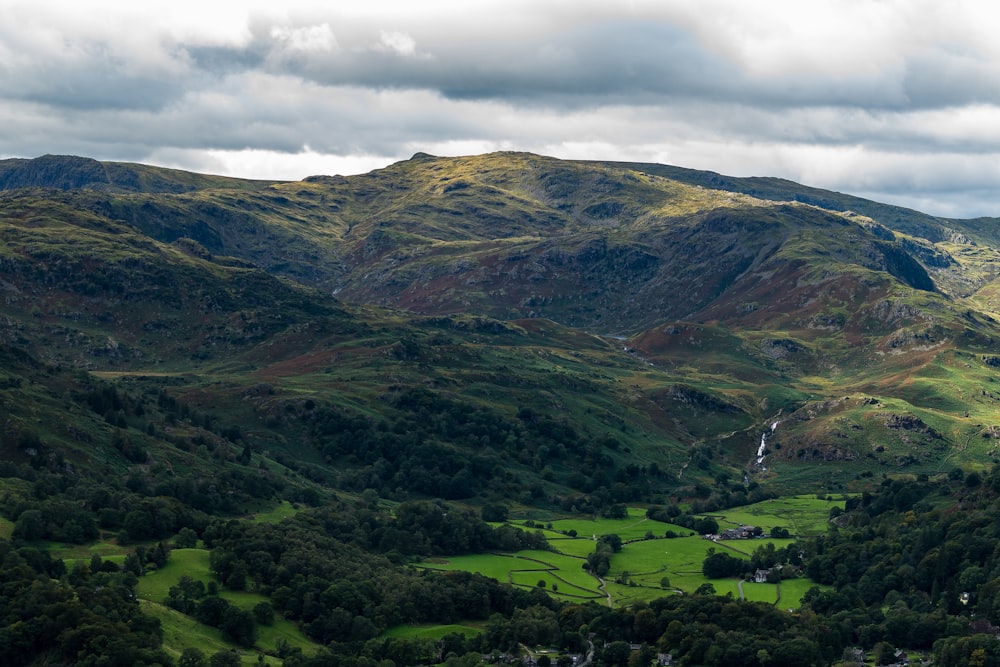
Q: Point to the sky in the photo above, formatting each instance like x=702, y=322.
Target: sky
x=894, y=100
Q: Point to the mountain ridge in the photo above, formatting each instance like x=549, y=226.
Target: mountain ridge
x=256, y=416
x=731, y=306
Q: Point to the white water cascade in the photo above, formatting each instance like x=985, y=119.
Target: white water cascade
x=759, y=461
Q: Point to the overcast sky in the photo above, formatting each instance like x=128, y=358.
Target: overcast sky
x=896, y=100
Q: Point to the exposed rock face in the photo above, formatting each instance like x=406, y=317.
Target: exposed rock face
x=905, y=423
x=696, y=398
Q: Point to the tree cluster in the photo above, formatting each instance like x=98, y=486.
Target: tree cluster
x=88, y=616
x=436, y=445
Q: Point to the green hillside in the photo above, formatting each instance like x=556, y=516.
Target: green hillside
x=505, y=335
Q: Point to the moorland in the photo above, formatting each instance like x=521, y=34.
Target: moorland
x=476, y=409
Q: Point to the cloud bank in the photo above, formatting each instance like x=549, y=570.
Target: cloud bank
x=898, y=100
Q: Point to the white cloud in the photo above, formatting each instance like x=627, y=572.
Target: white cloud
x=310, y=38
x=896, y=97
x=267, y=165
x=397, y=42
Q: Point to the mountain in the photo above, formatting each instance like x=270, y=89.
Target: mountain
x=303, y=387
x=638, y=303
x=673, y=312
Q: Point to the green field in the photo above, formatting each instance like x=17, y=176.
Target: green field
x=181, y=632
x=192, y=563
x=793, y=590
x=573, y=546
x=429, y=631
x=634, y=527
x=563, y=575
x=283, y=511
x=648, y=561
x=801, y=515
x=637, y=570
x=103, y=548
x=154, y=587
x=761, y=592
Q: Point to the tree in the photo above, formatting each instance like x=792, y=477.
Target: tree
x=796, y=651
x=192, y=657
x=30, y=525
x=494, y=512
x=884, y=653
x=186, y=538
x=239, y=626
x=211, y=611
x=263, y=613
x=706, y=526
x=225, y=659
x=613, y=541
x=643, y=657
x=237, y=578
x=645, y=626
x=617, y=511
x=617, y=653
x=719, y=565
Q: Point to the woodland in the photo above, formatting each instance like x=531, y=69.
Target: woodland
x=501, y=409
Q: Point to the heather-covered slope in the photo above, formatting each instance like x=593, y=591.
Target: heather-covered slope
x=729, y=308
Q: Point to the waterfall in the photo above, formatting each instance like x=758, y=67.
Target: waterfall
x=759, y=461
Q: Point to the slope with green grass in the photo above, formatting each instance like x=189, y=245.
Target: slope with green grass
x=184, y=352
x=205, y=288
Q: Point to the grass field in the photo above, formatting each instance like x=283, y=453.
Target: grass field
x=489, y=565
x=745, y=548
x=761, y=592
x=792, y=591
x=181, y=632
x=104, y=548
x=430, y=631
x=573, y=546
x=563, y=575
x=154, y=587
x=801, y=515
x=193, y=563
x=633, y=528
x=648, y=561
x=637, y=571
x=283, y=511
x=6, y=529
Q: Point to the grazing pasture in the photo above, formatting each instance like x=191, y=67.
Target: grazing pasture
x=638, y=571
x=800, y=515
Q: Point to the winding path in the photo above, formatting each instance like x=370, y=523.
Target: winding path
x=604, y=590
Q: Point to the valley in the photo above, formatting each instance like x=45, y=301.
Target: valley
x=479, y=392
